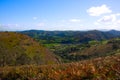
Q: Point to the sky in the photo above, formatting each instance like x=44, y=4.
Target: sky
x=18, y=15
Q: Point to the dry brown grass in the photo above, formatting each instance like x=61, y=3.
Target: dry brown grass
x=105, y=68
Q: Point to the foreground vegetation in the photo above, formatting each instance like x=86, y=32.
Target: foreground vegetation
x=105, y=68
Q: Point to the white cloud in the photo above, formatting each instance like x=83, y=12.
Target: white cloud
x=99, y=10
x=17, y=27
x=113, y=18
x=35, y=18
x=41, y=24
x=111, y=21
x=75, y=20
x=9, y=27
x=108, y=19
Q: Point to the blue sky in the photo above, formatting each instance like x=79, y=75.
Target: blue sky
x=59, y=14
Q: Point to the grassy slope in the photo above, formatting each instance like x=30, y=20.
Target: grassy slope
x=103, y=68
x=19, y=49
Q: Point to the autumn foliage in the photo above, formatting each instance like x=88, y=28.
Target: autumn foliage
x=105, y=68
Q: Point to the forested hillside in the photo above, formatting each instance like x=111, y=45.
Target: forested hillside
x=18, y=49
x=90, y=50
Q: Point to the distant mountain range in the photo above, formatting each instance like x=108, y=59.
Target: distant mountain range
x=71, y=36
x=115, y=32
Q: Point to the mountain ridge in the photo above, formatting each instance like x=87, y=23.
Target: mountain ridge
x=71, y=36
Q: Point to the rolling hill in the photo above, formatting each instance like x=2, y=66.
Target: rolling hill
x=19, y=49
x=68, y=37
x=99, y=49
x=92, y=49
